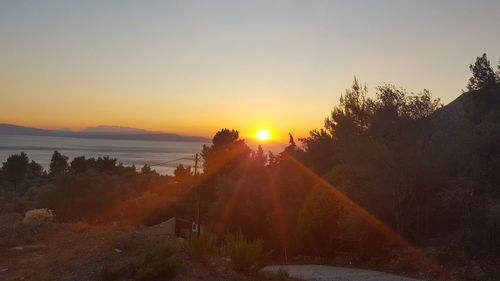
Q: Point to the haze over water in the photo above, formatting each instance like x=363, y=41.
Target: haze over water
x=128, y=152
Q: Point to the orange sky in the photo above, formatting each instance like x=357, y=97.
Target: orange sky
x=195, y=67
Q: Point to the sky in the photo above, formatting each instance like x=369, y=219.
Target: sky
x=194, y=67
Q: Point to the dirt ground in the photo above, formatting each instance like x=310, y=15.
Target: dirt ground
x=79, y=252
x=59, y=252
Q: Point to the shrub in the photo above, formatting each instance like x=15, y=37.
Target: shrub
x=203, y=247
x=157, y=261
x=246, y=256
x=39, y=216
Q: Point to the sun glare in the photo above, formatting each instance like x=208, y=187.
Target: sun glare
x=263, y=134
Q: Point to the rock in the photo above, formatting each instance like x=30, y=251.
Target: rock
x=4, y=270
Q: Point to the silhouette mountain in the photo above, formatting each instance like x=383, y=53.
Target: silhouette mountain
x=118, y=130
x=101, y=132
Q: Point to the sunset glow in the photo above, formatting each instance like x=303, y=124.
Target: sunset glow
x=233, y=65
x=263, y=134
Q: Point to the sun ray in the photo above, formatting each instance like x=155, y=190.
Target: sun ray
x=366, y=216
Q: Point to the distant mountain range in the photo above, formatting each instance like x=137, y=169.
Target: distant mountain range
x=101, y=132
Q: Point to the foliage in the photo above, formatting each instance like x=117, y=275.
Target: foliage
x=226, y=151
x=246, y=256
x=182, y=173
x=317, y=222
x=203, y=247
x=157, y=263
x=14, y=170
x=483, y=76
x=58, y=164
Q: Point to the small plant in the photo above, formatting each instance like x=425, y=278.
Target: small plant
x=203, y=248
x=156, y=262
x=246, y=256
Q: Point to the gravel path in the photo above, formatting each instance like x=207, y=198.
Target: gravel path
x=333, y=273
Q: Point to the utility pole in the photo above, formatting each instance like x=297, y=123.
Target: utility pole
x=199, y=194
x=193, y=194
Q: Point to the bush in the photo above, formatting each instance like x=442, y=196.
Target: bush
x=39, y=216
x=246, y=256
x=203, y=247
x=156, y=262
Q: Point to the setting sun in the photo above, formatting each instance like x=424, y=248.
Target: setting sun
x=263, y=134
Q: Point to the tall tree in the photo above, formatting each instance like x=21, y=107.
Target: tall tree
x=483, y=75
x=260, y=157
x=58, y=164
x=225, y=153
x=15, y=169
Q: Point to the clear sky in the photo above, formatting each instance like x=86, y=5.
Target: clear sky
x=194, y=67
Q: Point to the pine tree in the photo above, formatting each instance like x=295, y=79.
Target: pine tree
x=483, y=76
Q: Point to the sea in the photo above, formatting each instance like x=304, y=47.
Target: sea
x=128, y=152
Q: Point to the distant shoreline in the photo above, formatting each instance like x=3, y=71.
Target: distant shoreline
x=9, y=129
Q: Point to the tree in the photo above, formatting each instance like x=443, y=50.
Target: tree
x=321, y=150
x=318, y=220
x=146, y=169
x=350, y=116
x=225, y=154
x=79, y=164
x=14, y=170
x=260, y=157
x=498, y=71
x=35, y=170
x=483, y=76
x=105, y=164
x=58, y=164
x=182, y=173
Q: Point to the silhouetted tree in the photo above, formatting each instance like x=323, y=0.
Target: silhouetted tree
x=260, y=157
x=146, y=169
x=226, y=153
x=79, y=164
x=58, y=164
x=182, y=173
x=349, y=118
x=106, y=164
x=14, y=170
x=483, y=76
x=35, y=170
